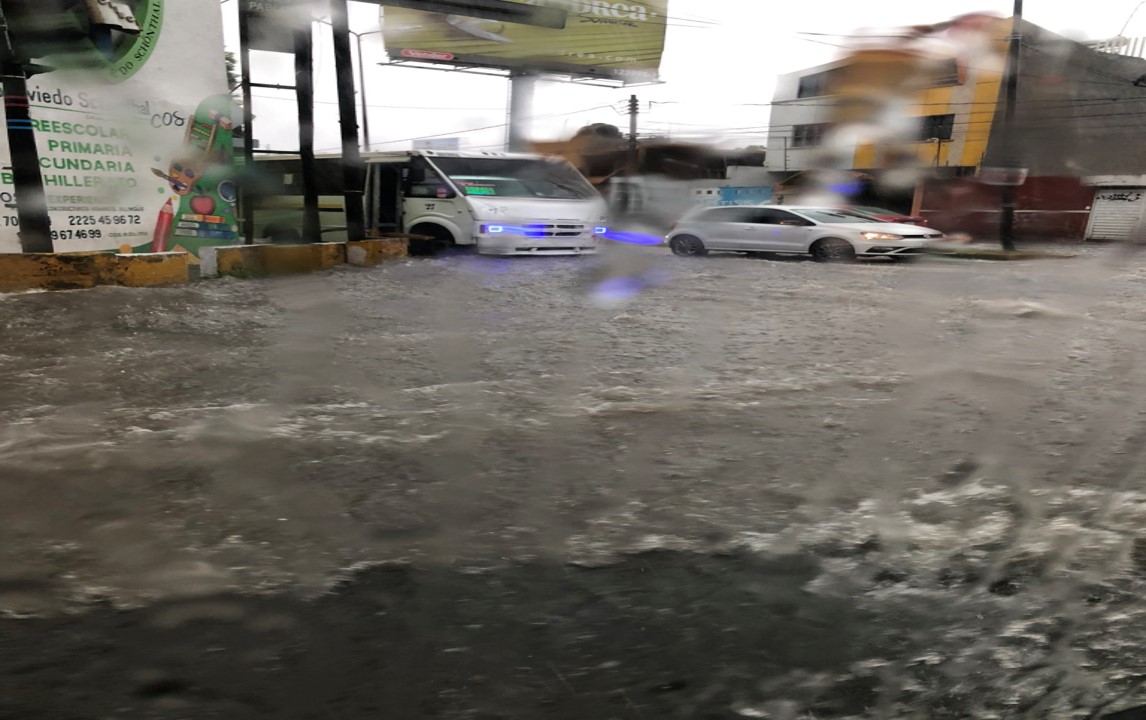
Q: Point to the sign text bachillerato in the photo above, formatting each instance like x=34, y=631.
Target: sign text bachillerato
x=136, y=152
x=604, y=38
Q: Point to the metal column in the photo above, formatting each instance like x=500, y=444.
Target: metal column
x=521, y=88
x=352, y=167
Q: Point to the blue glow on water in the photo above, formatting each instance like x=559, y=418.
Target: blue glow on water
x=633, y=238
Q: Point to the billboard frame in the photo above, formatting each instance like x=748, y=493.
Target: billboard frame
x=570, y=72
x=496, y=71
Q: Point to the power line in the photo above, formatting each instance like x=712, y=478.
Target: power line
x=477, y=129
x=1130, y=17
x=388, y=107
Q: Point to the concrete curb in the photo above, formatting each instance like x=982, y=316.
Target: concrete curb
x=152, y=269
x=269, y=260
x=20, y=272
x=981, y=253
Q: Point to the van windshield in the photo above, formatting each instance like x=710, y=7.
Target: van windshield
x=515, y=177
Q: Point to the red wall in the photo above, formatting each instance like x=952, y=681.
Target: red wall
x=1047, y=208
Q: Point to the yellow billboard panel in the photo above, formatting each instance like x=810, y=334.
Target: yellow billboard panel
x=603, y=38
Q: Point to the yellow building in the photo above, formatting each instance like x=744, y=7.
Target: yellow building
x=879, y=106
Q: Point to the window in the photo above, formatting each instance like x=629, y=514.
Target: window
x=932, y=127
x=832, y=216
x=729, y=215
x=427, y=182
x=515, y=177
x=766, y=216
x=808, y=135
x=813, y=85
x=947, y=74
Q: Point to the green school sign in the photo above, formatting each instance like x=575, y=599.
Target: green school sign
x=133, y=51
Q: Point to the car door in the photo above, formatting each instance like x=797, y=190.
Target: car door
x=724, y=228
x=772, y=230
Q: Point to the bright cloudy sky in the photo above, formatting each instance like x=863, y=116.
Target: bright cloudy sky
x=720, y=61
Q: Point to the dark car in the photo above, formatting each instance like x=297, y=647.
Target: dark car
x=885, y=215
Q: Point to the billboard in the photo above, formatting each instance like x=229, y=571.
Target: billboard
x=136, y=151
x=601, y=38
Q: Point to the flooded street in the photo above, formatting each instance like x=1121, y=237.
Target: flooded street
x=457, y=488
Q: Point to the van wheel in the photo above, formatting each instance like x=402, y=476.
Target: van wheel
x=282, y=234
x=833, y=250
x=443, y=239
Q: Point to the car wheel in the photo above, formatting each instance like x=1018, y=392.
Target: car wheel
x=687, y=246
x=833, y=250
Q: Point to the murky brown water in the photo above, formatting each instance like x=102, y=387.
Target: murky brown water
x=951, y=450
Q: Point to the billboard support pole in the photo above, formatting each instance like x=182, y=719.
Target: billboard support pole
x=352, y=180
x=31, y=204
x=521, y=87
x=304, y=93
x=247, y=200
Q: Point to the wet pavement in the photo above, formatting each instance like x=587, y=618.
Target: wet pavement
x=460, y=488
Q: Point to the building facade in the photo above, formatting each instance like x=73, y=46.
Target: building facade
x=949, y=118
x=1080, y=113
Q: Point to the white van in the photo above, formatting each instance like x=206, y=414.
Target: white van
x=503, y=204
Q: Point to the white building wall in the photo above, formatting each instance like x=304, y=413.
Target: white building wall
x=788, y=111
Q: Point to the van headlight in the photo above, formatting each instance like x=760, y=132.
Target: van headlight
x=880, y=236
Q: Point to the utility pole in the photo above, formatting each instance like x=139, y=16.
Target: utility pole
x=353, y=180
x=31, y=204
x=634, y=111
x=1011, y=90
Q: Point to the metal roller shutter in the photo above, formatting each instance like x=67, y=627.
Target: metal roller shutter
x=1115, y=213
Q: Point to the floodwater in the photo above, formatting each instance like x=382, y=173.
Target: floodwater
x=460, y=488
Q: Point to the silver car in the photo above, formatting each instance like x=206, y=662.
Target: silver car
x=827, y=234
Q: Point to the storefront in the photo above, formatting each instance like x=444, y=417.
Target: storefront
x=1118, y=206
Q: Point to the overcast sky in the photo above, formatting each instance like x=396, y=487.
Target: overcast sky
x=721, y=58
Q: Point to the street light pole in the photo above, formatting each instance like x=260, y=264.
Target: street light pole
x=362, y=90
x=361, y=84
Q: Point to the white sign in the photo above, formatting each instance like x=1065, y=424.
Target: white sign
x=444, y=144
x=136, y=154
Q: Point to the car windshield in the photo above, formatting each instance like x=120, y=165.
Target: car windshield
x=828, y=215
x=874, y=211
x=515, y=177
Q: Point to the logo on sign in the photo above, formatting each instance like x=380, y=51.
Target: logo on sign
x=427, y=55
x=1122, y=196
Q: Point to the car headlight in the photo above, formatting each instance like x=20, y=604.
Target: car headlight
x=880, y=236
